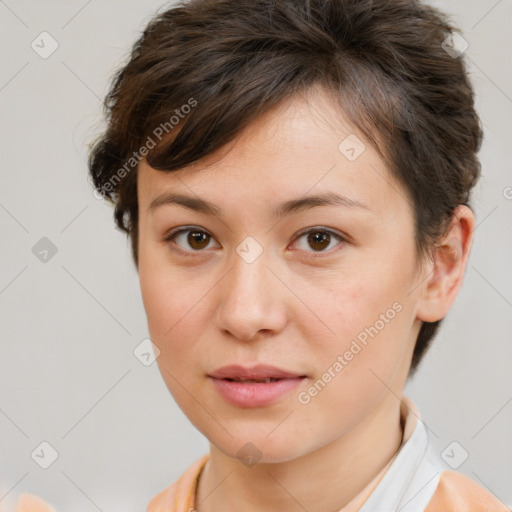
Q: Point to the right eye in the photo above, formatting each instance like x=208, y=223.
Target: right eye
x=196, y=239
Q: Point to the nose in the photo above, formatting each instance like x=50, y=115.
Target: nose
x=251, y=300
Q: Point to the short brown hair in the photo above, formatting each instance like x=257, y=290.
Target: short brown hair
x=231, y=60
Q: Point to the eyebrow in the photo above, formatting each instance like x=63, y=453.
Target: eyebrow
x=286, y=208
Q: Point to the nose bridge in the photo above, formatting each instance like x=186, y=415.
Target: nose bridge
x=246, y=305
x=250, y=274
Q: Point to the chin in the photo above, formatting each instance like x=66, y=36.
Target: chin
x=259, y=448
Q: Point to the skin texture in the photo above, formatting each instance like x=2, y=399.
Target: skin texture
x=298, y=306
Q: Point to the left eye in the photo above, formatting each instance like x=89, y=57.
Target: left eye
x=319, y=239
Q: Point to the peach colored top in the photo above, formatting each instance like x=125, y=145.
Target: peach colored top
x=415, y=480
x=30, y=503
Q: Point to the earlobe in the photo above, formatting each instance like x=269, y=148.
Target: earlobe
x=441, y=286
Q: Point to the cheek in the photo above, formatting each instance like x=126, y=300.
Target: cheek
x=163, y=293
x=165, y=302
x=350, y=305
x=177, y=311
x=353, y=371
x=168, y=312
x=364, y=322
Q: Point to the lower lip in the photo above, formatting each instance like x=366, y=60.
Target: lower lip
x=255, y=394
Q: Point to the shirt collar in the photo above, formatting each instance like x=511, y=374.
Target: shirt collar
x=410, y=481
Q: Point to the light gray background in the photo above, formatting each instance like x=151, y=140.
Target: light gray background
x=69, y=326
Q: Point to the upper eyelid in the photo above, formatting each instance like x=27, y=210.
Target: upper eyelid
x=320, y=228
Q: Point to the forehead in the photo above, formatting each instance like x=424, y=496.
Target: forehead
x=304, y=145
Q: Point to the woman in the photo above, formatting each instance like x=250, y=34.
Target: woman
x=295, y=179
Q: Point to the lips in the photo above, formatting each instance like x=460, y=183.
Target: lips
x=258, y=386
x=258, y=373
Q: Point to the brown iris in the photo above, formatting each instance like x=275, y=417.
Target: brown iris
x=319, y=237
x=197, y=238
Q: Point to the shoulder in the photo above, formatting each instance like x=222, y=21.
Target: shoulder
x=456, y=492
x=31, y=503
x=179, y=496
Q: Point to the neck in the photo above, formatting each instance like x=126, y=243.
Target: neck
x=326, y=479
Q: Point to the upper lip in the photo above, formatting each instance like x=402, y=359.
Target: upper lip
x=260, y=371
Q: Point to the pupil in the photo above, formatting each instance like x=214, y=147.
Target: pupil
x=196, y=237
x=319, y=237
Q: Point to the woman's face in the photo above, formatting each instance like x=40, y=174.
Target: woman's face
x=254, y=283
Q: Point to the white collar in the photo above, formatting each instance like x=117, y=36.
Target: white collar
x=411, y=479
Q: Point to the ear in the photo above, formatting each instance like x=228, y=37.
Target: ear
x=446, y=272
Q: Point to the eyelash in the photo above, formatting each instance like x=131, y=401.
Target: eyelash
x=173, y=234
